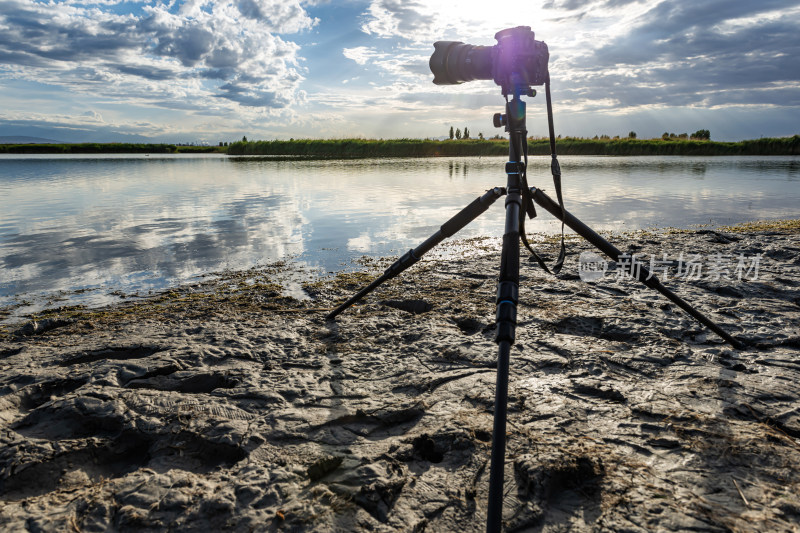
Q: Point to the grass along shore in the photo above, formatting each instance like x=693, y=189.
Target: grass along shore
x=362, y=148
x=536, y=146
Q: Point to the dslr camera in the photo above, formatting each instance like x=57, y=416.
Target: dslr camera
x=517, y=60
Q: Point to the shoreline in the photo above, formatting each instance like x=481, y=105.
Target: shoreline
x=229, y=406
x=283, y=273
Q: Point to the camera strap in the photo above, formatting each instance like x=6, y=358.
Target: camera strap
x=555, y=169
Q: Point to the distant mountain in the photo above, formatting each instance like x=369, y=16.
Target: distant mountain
x=20, y=139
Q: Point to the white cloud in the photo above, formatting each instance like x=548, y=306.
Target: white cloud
x=360, y=54
x=277, y=16
x=93, y=116
x=88, y=120
x=226, y=52
x=424, y=21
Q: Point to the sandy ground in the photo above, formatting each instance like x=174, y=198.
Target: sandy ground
x=227, y=405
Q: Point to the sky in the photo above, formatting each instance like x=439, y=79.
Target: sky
x=216, y=70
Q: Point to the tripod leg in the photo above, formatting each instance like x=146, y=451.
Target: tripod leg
x=613, y=252
x=448, y=229
x=507, y=298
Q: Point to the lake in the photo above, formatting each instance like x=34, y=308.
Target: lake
x=84, y=228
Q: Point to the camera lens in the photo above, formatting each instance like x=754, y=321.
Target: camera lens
x=454, y=62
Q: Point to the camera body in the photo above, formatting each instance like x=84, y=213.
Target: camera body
x=517, y=60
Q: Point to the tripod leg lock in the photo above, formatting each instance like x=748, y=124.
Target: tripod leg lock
x=507, y=291
x=515, y=167
x=401, y=264
x=506, y=318
x=506, y=322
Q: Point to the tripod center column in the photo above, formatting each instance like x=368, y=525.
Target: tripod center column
x=508, y=283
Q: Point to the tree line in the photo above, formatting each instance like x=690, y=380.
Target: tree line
x=458, y=135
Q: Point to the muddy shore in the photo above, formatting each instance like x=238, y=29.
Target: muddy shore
x=227, y=405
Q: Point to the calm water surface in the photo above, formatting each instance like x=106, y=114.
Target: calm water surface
x=131, y=223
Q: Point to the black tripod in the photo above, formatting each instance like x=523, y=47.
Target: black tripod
x=519, y=201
